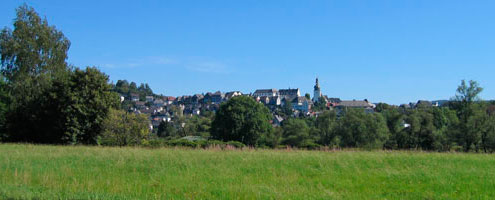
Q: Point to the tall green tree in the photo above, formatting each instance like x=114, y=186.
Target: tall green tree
x=89, y=101
x=51, y=102
x=33, y=55
x=488, y=134
x=446, y=125
x=327, y=125
x=421, y=130
x=464, y=102
x=33, y=48
x=241, y=119
x=395, y=124
x=4, y=103
x=295, y=132
x=122, y=87
x=363, y=130
x=166, y=129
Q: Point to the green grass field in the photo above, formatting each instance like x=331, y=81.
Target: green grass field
x=66, y=172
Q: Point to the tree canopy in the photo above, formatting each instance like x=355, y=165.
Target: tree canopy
x=241, y=119
x=50, y=101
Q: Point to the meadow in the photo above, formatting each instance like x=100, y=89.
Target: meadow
x=85, y=172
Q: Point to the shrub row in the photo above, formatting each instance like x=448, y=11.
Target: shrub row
x=194, y=144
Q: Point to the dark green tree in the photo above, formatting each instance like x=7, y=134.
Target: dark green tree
x=446, y=125
x=89, y=102
x=241, y=119
x=380, y=107
x=287, y=109
x=122, y=87
x=166, y=129
x=321, y=104
x=395, y=124
x=50, y=102
x=421, y=130
x=327, y=125
x=32, y=56
x=363, y=130
x=197, y=126
x=295, y=132
x=476, y=127
x=488, y=135
x=133, y=87
x=4, y=103
x=464, y=102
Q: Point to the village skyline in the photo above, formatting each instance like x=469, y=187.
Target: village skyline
x=300, y=93
x=358, y=50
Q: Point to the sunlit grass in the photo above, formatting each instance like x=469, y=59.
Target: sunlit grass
x=80, y=172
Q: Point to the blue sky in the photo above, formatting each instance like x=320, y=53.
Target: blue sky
x=385, y=51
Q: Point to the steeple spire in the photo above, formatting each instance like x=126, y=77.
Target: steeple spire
x=317, y=91
x=317, y=85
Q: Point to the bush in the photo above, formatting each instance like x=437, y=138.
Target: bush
x=236, y=144
x=182, y=143
x=125, y=129
x=310, y=145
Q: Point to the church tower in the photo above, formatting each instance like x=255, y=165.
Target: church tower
x=317, y=92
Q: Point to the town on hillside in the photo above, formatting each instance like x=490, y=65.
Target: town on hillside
x=161, y=108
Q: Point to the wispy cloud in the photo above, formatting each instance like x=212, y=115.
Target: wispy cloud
x=108, y=65
x=194, y=64
x=209, y=67
x=163, y=60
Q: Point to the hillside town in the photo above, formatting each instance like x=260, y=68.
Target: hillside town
x=163, y=108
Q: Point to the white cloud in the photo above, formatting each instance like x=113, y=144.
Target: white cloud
x=209, y=67
x=194, y=64
x=108, y=65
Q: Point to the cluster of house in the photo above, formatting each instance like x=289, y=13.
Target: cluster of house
x=161, y=108
x=424, y=103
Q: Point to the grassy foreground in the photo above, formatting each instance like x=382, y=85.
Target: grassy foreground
x=58, y=172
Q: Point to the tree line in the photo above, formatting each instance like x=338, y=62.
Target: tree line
x=43, y=99
x=464, y=124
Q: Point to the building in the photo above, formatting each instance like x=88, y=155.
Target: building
x=277, y=120
x=134, y=97
x=149, y=98
x=265, y=92
x=275, y=101
x=301, y=104
x=229, y=95
x=214, y=98
x=169, y=100
x=289, y=93
x=195, y=99
x=367, y=106
x=140, y=105
x=423, y=104
x=158, y=103
x=317, y=91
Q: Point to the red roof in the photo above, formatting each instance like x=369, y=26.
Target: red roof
x=170, y=98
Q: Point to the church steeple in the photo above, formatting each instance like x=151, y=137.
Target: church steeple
x=317, y=91
x=317, y=85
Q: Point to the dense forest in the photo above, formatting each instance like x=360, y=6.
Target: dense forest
x=43, y=99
